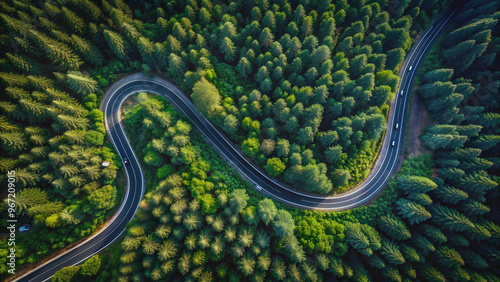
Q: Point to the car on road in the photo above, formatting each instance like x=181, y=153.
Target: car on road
x=397, y=126
x=393, y=143
x=24, y=228
x=401, y=93
x=258, y=187
x=410, y=68
x=125, y=161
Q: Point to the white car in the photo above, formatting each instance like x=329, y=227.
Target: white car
x=401, y=93
x=410, y=68
x=397, y=126
x=258, y=187
x=393, y=143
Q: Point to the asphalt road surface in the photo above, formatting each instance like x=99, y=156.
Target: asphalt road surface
x=388, y=162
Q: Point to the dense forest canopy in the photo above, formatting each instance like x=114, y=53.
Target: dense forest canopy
x=302, y=87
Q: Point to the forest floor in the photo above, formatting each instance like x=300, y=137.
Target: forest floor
x=419, y=120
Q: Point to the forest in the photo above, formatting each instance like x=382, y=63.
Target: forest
x=302, y=88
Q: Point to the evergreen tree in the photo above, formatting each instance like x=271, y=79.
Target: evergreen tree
x=433, y=233
x=449, y=218
x=244, y=67
x=228, y=49
x=80, y=83
x=25, y=64
x=278, y=269
x=391, y=252
x=73, y=20
x=238, y=200
x=58, y=52
x=450, y=194
x=448, y=257
x=393, y=227
x=115, y=43
x=423, y=244
x=14, y=80
x=414, y=212
x=356, y=238
x=431, y=274
x=415, y=184
x=283, y=224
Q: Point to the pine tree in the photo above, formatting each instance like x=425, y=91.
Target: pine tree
x=278, y=269
x=80, y=83
x=476, y=184
x=115, y=43
x=294, y=272
x=175, y=65
x=415, y=184
x=414, y=212
x=7, y=164
x=410, y=254
x=35, y=110
x=466, y=31
x=40, y=82
x=356, y=238
x=244, y=67
x=266, y=38
x=450, y=194
x=246, y=265
x=13, y=141
x=457, y=240
x=29, y=197
x=372, y=235
x=228, y=49
x=309, y=271
x=204, y=16
x=267, y=210
x=430, y=273
x=450, y=173
x=228, y=30
x=420, y=198
x=473, y=259
x=393, y=227
x=323, y=261
x=392, y=253
x=25, y=64
x=433, y=233
x=58, y=52
x=448, y=257
x=146, y=48
x=486, y=141
x=449, y=218
x=293, y=249
x=14, y=80
x=16, y=26
x=71, y=123
x=462, y=55
x=73, y=21
x=167, y=250
x=160, y=56
x=375, y=261
x=87, y=50
x=283, y=224
x=423, y=244
x=472, y=208
x=150, y=245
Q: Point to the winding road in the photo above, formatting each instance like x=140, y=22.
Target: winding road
x=388, y=162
